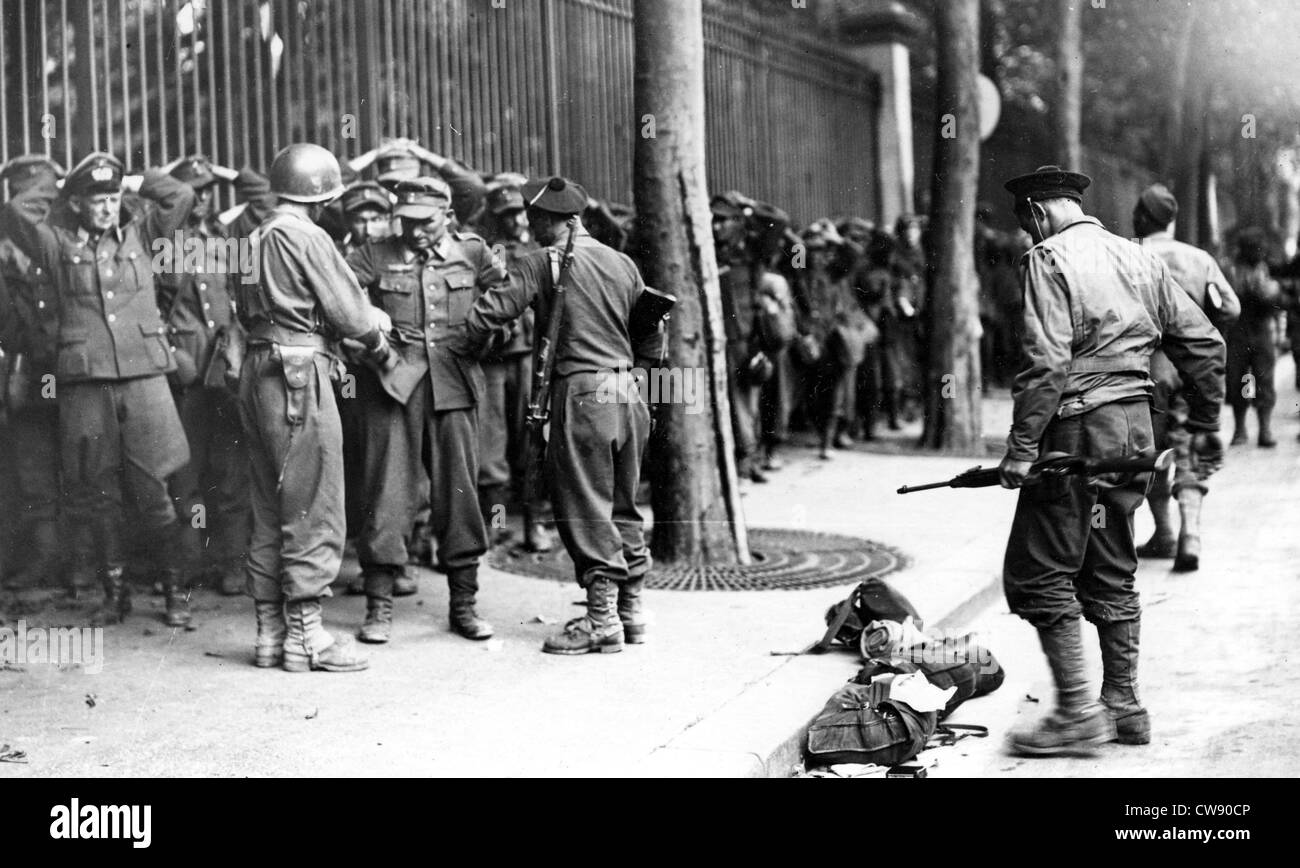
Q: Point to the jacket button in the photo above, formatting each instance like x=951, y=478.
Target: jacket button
x=108, y=272
x=211, y=324
x=108, y=294
x=40, y=304
x=112, y=317
x=203, y=286
x=206, y=305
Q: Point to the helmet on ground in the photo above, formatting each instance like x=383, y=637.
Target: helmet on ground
x=306, y=173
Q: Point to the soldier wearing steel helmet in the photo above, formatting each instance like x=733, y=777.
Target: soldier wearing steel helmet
x=1096, y=307
x=305, y=298
x=118, y=428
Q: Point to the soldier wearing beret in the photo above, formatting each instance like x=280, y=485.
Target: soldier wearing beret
x=304, y=300
x=196, y=281
x=119, y=431
x=508, y=373
x=1096, y=307
x=422, y=422
x=1196, y=272
x=29, y=414
x=599, y=424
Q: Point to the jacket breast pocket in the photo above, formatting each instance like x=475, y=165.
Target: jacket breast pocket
x=157, y=346
x=393, y=293
x=74, y=354
x=460, y=297
x=79, y=266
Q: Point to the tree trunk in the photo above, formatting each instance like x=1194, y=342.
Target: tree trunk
x=698, y=518
x=1069, y=85
x=953, y=407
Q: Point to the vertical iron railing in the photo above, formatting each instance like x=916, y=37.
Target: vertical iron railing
x=533, y=87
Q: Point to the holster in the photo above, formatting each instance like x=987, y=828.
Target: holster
x=298, y=365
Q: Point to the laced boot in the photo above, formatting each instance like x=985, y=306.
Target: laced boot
x=1266, y=439
x=404, y=584
x=598, y=630
x=1079, y=723
x=462, y=583
x=1163, y=542
x=378, y=626
x=630, y=612
x=117, y=598
x=1119, y=660
x=177, y=597
x=271, y=631
x=1189, y=539
x=308, y=646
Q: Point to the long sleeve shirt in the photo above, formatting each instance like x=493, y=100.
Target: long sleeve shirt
x=304, y=286
x=1096, y=307
x=602, y=287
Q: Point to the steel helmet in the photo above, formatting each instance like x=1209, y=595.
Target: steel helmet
x=306, y=173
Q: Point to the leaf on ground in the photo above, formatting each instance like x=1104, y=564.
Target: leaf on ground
x=91, y=699
x=314, y=712
x=213, y=654
x=8, y=755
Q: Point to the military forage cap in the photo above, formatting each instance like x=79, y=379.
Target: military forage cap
x=504, y=199
x=24, y=171
x=1159, y=204
x=195, y=170
x=97, y=173
x=1049, y=182
x=730, y=204
x=422, y=198
x=556, y=195
x=366, y=194
x=396, y=165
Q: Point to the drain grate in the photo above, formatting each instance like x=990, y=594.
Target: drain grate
x=784, y=560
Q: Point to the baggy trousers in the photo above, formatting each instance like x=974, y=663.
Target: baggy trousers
x=216, y=477
x=1071, y=548
x=120, y=437
x=31, y=474
x=405, y=446
x=501, y=419
x=296, y=472
x=599, y=429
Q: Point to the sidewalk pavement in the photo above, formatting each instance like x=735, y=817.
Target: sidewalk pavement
x=714, y=692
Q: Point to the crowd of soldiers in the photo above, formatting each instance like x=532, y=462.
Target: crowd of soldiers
x=162, y=406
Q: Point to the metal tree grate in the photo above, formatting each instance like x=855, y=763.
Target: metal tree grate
x=784, y=560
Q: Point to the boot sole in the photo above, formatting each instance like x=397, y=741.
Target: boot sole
x=305, y=666
x=1088, y=748
x=372, y=640
x=268, y=662
x=573, y=652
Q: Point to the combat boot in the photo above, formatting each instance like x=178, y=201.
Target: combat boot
x=1189, y=539
x=1163, y=543
x=1266, y=439
x=1239, y=437
x=177, y=597
x=308, y=646
x=1079, y=723
x=1119, y=660
x=117, y=598
x=630, y=611
x=537, y=538
x=378, y=626
x=271, y=631
x=232, y=581
x=598, y=630
x=404, y=584
x=462, y=583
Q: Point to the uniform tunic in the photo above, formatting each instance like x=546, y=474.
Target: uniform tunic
x=119, y=429
x=423, y=424
x=1096, y=308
